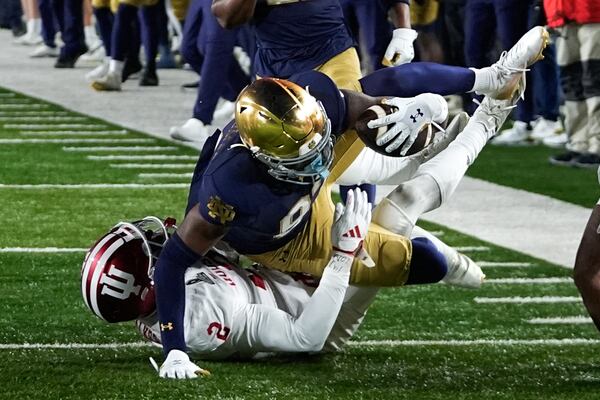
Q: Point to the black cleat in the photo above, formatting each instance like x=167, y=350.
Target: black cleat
x=68, y=61
x=130, y=67
x=565, y=159
x=149, y=78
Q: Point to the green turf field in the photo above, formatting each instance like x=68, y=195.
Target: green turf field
x=428, y=342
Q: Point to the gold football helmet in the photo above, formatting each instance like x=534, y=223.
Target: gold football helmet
x=285, y=128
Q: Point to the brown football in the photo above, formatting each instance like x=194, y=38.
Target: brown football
x=369, y=136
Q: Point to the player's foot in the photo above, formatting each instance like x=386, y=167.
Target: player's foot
x=131, y=67
x=44, y=50
x=556, y=141
x=502, y=78
x=69, y=60
x=98, y=72
x=544, y=128
x=464, y=272
x=518, y=135
x=566, y=159
x=587, y=160
x=109, y=82
x=149, y=78
x=94, y=54
x=192, y=131
x=224, y=111
x=29, y=39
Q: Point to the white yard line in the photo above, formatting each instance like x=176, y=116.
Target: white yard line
x=33, y=113
x=121, y=148
x=574, y=320
x=42, y=249
x=99, y=186
x=468, y=249
x=528, y=300
x=54, y=126
x=361, y=343
x=74, y=133
x=508, y=264
x=477, y=342
x=529, y=281
x=45, y=119
x=165, y=175
x=153, y=166
x=24, y=106
x=75, y=141
x=7, y=95
x=149, y=157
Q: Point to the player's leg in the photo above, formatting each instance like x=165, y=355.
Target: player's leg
x=104, y=18
x=587, y=266
x=150, y=24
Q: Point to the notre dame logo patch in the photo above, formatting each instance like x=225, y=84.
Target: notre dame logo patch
x=217, y=209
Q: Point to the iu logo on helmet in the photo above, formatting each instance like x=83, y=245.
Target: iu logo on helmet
x=120, y=288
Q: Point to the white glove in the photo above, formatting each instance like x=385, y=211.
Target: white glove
x=400, y=50
x=413, y=113
x=178, y=366
x=350, y=225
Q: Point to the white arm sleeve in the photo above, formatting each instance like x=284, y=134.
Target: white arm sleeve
x=273, y=330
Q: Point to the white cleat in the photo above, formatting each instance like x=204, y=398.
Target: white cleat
x=192, y=131
x=464, y=273
x=94, y=54
x=556, y=141
x=518, y=135
x=225, y=111
x=544, y=128
x=109, y=82
x=44, y=51
x=29, y=39
x=443, y=138
x=98, y=72
x=505, y=73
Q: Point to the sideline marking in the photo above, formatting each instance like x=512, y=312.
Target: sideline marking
x=490, y=264
x=166, y=175
x=527, y=300
x=121, y=148
x=142, y=157
x=75, y=141
x=42, y=250
x=154, y=166
x=32, y=118
x=530, y=281
x=362, y=343
x=472, y=248
x=51, y=126
x=100, y=186
x=21, y=106
x=73, y=133
x=578, y=319
x=34, y=113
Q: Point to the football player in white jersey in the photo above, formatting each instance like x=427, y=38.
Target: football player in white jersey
x=231, y=311
x=587, y=265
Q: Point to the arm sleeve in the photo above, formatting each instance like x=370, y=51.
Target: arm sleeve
x=272, y=329
x=215, y=205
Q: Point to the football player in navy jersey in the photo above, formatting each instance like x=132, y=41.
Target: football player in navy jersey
x=263, y=184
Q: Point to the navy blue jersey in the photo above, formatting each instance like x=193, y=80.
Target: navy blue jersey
x=296, y=37
x=234, y=189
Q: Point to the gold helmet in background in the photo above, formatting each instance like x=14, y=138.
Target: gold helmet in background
x=285, y=128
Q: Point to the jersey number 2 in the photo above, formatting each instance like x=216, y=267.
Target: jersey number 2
x=222, y=331
x=294, y=216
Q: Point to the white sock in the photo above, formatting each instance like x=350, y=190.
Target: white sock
x=91, y=37
x=482, y=79
x=115, y=66
x=449, y=167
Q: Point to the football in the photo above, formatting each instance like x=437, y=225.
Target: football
x=369, y=136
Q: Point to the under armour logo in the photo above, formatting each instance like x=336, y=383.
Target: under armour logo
x=414, y=117
x=166, y=327
x=120, y=288
x=354, y=232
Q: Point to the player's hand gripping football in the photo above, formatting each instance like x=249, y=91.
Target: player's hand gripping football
x=405, y=124
x=177, y=365
x=350, y=226
x=400, y=50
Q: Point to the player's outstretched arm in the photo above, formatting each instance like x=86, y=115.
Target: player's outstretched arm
x=193, y=239
x=587, y=266
x=271, y=329
x=232, y=13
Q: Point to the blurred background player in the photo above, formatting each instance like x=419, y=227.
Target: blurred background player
x=69, y=14
x=578, y=55
x=10, y=17
x=122, y=30
x=208, y=48
x=49, y=28
x=32, y=35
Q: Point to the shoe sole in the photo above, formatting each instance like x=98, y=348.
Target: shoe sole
x=585, y=166
x=102, y=88
x=545, y=43
x=562, y=163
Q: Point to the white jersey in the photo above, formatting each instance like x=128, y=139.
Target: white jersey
x=235, y=312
